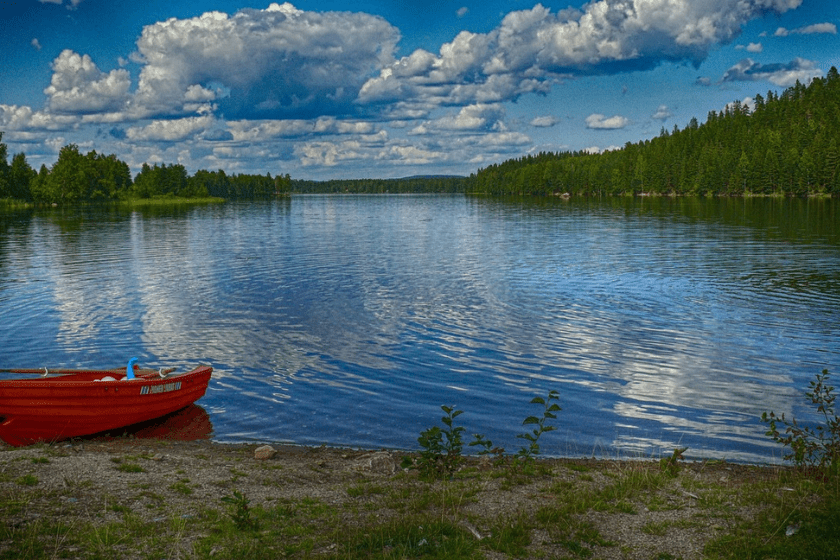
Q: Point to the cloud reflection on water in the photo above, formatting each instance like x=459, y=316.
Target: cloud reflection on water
x=327, y=317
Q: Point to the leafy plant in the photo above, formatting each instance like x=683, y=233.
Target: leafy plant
x=671, y=464
x=532, y=449
x=814, y=447
x=240, y=511
x=441, y=453
x=479, y=440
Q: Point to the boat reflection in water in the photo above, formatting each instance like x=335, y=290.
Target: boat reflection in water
x=188, y=424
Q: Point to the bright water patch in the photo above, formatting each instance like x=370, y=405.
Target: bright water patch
x=349, y=320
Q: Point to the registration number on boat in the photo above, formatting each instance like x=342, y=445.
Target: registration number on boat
x=154, y=389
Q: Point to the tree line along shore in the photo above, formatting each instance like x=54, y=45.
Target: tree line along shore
x=779, y=145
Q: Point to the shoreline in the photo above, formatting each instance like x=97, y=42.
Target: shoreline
x=628, y=508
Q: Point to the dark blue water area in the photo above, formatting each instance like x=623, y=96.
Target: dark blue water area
x=349, y=320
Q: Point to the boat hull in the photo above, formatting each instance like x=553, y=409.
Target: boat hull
x=52, y=409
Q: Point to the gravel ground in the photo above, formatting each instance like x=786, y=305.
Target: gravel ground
x=85, y=480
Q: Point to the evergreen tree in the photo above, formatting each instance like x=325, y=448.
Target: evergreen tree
x=786, y=145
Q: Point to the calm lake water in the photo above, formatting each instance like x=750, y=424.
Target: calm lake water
x=349, y=320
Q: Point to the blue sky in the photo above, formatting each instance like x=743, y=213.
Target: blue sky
x=376, y=88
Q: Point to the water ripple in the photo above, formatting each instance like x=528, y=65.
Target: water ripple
x=350, y=320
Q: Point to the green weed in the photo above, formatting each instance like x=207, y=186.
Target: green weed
x=27, y=480
x=817, y=447
x=671, y=464
x=527, y=453
x=182, y=487
x=130, y=468
x=240, y=512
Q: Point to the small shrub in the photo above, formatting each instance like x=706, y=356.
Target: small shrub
x=532, y=449
x=441, y=448
x=240, y=512
x=817, y=447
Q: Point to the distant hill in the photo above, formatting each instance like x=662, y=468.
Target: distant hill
x=785, y=145
x=417, y=184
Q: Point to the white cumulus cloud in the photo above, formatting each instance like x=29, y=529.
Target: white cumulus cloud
x=828, y=28
x=752, y=47
x=662, y=113
x=170, y=130
x=280, y=61
x=544, y=121
x=78, y=86
x=784, y=75
x=598, y=121
x=532, y=49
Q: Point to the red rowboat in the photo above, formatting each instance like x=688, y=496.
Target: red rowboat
x=84, y=402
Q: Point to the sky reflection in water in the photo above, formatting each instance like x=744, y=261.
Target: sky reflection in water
x=349, y=320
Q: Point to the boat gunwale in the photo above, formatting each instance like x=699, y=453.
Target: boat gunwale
x=72, y=379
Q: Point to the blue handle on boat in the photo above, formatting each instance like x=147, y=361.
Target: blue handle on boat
x=129, y=371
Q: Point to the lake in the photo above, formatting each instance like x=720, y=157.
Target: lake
x=349, y=320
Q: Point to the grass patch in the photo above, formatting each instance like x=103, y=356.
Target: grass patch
x=365, y=489
x=27, y=480
x=414, y=537
x=659, y=529
x=182, y=487
x=130, y=468
x=791, y=527
x=511, y=538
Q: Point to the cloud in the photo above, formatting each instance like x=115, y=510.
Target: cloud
x=36, y=44
x=79, y=87
x=71, y=4
x=748, y=103
x=325, y=88
x=218, y=135
x=784, y=75
x=170, y=131
x=544, y=121
x=277, y=62
x=472, y=119
x=533, y=49
x=463, y=11
x=598, y=150
x=19, y=118
x=752, y=47
x=662, y=113
x=598, y=121
x=475, y=117
x=829, y=28
x=286, y=63
x=267, y=130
